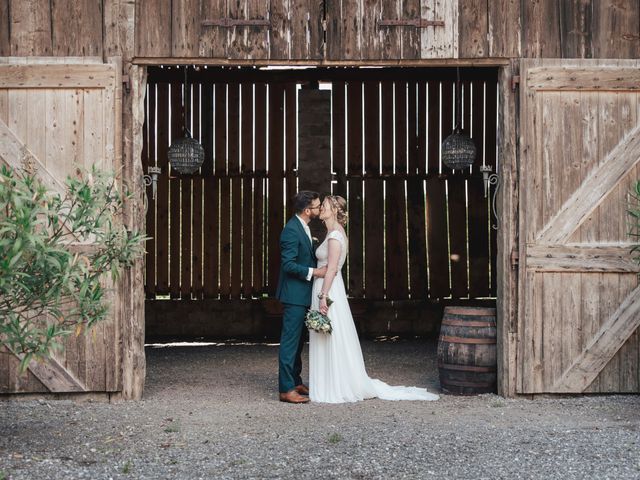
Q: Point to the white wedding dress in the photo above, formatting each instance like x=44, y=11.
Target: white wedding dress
x=336, y=367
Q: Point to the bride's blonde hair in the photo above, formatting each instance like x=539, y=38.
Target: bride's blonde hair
x=340, y=205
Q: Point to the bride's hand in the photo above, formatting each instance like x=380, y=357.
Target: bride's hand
x=324, y=309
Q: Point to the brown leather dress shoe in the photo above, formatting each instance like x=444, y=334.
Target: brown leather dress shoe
x=302, y=389
x=293, y=397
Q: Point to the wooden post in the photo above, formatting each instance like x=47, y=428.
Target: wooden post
x=507, y=204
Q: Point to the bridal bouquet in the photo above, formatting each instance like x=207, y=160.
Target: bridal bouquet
x=318, y=322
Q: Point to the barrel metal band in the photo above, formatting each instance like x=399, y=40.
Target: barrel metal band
x=477, y=341
x=466, y=384
x=464, y=323
x=467, y=368
x=472, y=311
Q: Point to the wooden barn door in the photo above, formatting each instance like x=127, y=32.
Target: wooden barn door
x=579, y=306
x=61, y=115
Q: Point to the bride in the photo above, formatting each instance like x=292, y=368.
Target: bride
x=336, y=368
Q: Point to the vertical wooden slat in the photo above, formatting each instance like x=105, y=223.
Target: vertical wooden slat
x=472, y=21
x=221, y=132
x=148, y=159
x=84, y=19
x=152, y=28
x=458, y=235
x=276, y=178
x=491, y=138
x=247, y=192
x=177, y=127
x=541, y=29
x=437, y=231
x=211, y=194
x=338, y=137
x=30, y=28
x=410, y=35
x=260, y=245
x=247, y=42
x=290, y=146
x=5, y=51
x=197, y=197
x=418, y=273
x=478, y=204
x=354, y=155
x=395, y=202
x=185, y=28
x=214, y=40
x=162, y=218
x=186, y=237
x=430, y=118
x=233, y=135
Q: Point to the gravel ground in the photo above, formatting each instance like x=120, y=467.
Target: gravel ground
x=212, y=412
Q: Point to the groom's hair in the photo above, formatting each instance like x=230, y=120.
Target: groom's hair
x=303, y=199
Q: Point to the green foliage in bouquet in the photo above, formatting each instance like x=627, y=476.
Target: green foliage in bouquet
x=317, y=321
x=634, y=223
x=49, y=287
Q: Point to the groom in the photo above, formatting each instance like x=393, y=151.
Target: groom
x=297, y=269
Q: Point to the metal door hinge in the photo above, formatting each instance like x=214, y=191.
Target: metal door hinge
x=126, y=83
x=515, y=81
x=515, y=259
x=411, y=22
x=236, y=22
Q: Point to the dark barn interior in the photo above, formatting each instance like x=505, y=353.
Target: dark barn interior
x=422, y=236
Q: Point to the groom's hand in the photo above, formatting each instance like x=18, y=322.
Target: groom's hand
x=319, y=272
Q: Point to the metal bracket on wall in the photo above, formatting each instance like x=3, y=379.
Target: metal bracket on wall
x=515, y=81
x=236, y=22
x=411, y=22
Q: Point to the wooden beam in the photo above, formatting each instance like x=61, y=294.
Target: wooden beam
x=88, y=75
x=53, y=375
x=602, y=347
x=17, y=155
x=580, y=258
x=593, y=190
x=435, y=62
x=584, y=79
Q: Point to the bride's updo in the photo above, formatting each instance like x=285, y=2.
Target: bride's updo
x=340, y=206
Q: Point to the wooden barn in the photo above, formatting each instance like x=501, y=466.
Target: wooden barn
x=351, y=97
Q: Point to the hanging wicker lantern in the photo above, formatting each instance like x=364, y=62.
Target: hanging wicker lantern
x=458, y=150
x=186, y=155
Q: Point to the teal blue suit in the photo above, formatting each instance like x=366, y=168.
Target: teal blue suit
x=294, y=292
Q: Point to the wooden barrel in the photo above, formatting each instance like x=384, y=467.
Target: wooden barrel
x=467, y=350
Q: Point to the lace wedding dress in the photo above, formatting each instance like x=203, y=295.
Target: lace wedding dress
x=336, y=367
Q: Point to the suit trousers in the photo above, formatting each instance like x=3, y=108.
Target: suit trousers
x=291, y=343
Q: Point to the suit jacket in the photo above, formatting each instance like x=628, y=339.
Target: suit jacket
x=297, y=256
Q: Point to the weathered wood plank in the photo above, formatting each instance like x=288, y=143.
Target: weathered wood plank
x=259, y=214
x=30, y=28
x=162, y=217
x=153, y=28
x=15, y=153
x=613, y=333
x=233, y=153
x=211, y=187
x=5, y=47
x=246, y=41
x=197, y=198
x=472, y=28
x=458, y=236
x=580, y=258
x=611, y=78
x=149, y=159
x=185, y=27
x=276, y=182
x=84, y=19
x=248, y=199
x=593, y=190
x=355, y=165
x=504, y=35
x=339, y=164
x=541, y=29
x=221, y=161
x=175, y=198
x=616, y=30
x=57, y=76
x=214, y=39
x=53, y=375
